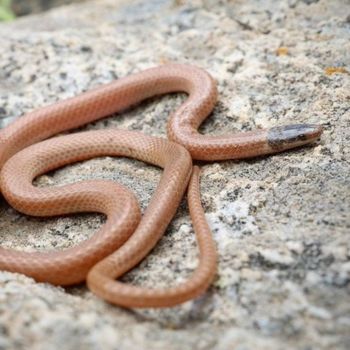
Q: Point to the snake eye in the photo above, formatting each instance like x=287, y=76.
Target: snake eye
x=289, y=136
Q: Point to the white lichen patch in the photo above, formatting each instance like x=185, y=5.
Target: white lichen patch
x=231, y=221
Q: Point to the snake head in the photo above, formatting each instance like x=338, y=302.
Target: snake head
x=289, y=136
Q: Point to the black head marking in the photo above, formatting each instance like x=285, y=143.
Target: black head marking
x=288, y=136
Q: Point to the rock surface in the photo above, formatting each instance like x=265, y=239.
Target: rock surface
x=281, y=223
x=25, y=7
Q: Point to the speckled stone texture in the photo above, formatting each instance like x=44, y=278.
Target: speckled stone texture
x=281, y=223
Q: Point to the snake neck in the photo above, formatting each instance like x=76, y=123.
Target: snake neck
x=242, y=145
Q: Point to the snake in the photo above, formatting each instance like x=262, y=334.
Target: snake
x=28, y=150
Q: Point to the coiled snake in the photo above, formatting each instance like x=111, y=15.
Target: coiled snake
x=126, y=238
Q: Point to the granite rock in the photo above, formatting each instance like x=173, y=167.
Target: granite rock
x=281, y=223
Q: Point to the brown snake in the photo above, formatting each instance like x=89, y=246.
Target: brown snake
x=126, y=238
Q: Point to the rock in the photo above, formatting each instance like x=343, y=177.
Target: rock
x=23, y=7
x=281, y=223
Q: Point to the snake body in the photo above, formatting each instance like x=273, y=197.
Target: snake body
x=126, y=238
